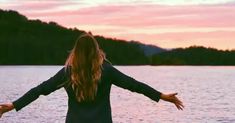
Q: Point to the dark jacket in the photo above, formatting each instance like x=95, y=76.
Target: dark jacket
x=97, y=111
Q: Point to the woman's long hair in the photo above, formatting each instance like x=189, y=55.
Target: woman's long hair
x=85, y=60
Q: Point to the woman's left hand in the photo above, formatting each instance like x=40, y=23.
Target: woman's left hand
x=5, y=108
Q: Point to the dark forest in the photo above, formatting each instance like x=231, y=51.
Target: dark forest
x=33, y=42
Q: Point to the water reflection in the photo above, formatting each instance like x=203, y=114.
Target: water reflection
x=207, y=92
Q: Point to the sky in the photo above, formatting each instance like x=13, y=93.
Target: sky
x=165, y=23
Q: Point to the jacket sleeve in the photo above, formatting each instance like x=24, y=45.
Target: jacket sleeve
x=44, y=88
x=121, y=80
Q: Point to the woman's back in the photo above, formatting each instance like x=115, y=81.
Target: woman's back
x=97, y=110
x=88, y=81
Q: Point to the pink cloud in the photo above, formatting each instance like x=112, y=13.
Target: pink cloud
x=215, y=35
x=217, y=39
x=146, y=15
x=27, y=6
x=186, y=36
x=142, y=16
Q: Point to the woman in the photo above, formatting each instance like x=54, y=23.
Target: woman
x=87, y=78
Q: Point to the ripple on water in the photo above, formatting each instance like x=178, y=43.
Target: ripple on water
x=207, y=92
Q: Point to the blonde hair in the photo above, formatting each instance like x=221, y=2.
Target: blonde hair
x=85, y=60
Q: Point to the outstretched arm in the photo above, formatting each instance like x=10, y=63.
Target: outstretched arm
x=121, y=80
x=126, y=82
x=44, y=88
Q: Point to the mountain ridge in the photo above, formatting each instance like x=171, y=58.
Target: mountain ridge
x=34, y=42
x=44, y=40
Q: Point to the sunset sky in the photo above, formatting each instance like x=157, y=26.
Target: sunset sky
x=165, y=23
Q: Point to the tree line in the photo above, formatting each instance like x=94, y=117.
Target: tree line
x=194, y=55
x=30, y=42
x=33, y=42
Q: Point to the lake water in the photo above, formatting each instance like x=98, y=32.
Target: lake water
x=208, y=92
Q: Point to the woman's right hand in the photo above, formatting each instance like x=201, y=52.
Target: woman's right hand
x=5, y=108
x=173, y=99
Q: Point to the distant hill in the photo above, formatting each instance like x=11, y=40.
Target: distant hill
x=149, y=50
x=24, y=41
x=33, y=42
x=194, y=55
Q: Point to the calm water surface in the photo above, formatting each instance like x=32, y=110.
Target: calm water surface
x=207, y=92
